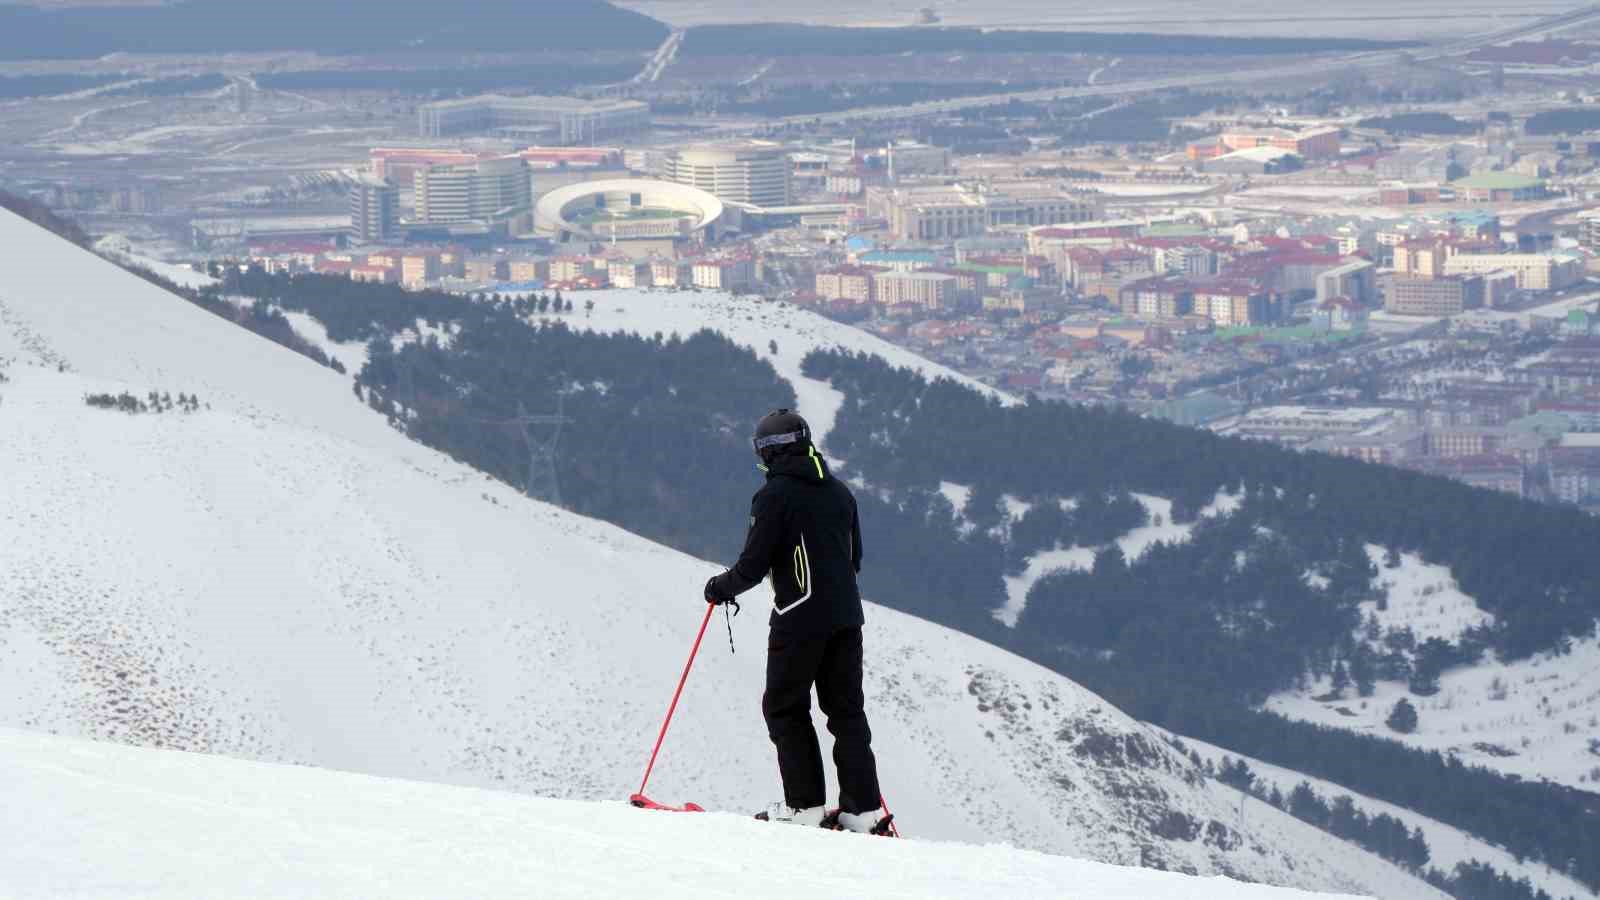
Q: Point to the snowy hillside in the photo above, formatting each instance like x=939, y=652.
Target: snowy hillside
x=275, y=573
x=1537, y=718
x=1449, y=846
x=164, y=824
x=758, y=325
x=1159, y=528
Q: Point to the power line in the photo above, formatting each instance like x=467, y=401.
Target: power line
x=542, y=435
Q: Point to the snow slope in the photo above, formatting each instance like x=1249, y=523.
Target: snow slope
x=1537, y=718
x=1422, y=597
x=281, y=576
x=119, y=247
x=1448, y=846
x=1134, y=544
x=755, y=323
x=230, y=828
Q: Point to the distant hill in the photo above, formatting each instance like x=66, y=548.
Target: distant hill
x=353, y=26
x=781, y=39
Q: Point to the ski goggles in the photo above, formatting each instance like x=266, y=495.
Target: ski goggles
x=775, y=440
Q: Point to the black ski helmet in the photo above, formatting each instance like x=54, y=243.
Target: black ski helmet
x=778, y=429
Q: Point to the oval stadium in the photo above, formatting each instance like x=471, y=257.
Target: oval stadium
x=626, y=209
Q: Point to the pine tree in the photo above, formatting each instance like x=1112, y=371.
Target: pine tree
x=1403, y=718
x=1341, y=678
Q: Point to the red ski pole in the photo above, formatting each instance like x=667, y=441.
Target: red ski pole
x=639, y=799
x=893, y=828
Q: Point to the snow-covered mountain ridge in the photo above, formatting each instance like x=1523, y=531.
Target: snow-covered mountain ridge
x=282, y=576
x=101, y=819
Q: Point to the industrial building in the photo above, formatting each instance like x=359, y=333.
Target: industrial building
x=374, y=211
x=754, y=173
x=490, y=192
x=566, y=120
x=948, y=212
x=1318, y=143
x=1298, y=424
x=1498, y=187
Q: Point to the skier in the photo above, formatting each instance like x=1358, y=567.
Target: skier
x=805, y=534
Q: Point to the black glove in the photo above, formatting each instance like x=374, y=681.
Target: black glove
x=717, y=592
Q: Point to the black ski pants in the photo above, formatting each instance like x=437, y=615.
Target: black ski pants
x=833, y=663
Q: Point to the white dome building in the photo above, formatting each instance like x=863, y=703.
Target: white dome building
x=626, y=209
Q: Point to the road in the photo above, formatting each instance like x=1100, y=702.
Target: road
x=663, y=57
x=1369, y=59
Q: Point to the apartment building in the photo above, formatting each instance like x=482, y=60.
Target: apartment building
x=1229, y=302
x=1159, y=297
x=1410, y=295
x=724, y=274
x=853, y=283
x=930, y=290
x=1534, y=271
x=628, y=273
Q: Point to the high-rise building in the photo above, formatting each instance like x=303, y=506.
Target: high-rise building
x=489, y=191
x=374, y=211
x=751, y=172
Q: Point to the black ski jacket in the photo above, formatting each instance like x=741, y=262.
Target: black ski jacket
x=806, y=535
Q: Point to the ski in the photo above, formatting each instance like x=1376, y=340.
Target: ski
x=884, y=828
x=644, y=802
